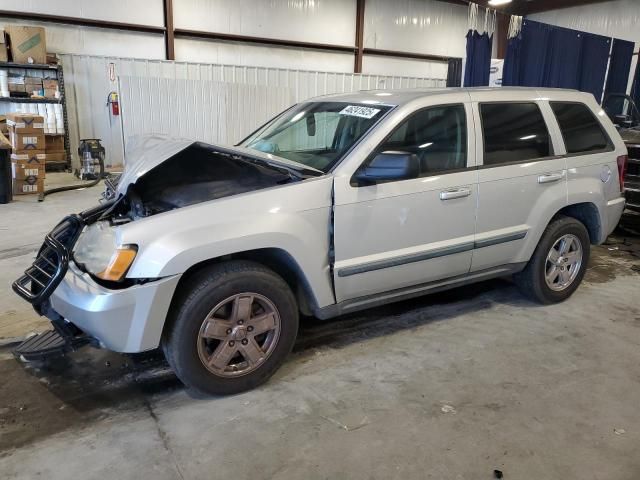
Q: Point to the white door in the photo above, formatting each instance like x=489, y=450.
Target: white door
x=397, y=234
x=520, y=180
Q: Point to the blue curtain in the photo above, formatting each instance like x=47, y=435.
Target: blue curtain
x=548, y=56
x=620, y=66
x=476, y=72
x=594, y=60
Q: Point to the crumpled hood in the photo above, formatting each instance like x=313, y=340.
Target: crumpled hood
x=147, y=152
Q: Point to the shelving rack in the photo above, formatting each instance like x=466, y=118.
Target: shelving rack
x=66, y=164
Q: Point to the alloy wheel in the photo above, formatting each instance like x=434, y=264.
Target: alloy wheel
x=238, y=334
x=563, y=262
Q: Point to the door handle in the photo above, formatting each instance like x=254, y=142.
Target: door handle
x=550, y=177
x=455, y=193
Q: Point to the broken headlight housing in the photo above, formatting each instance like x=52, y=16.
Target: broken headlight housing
x=97, y=250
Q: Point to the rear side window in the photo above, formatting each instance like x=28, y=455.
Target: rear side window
x=580, y=128
x=513, y=132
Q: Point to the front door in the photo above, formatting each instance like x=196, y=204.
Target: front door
x=399, y=234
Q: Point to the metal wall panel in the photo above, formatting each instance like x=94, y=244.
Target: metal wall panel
x=147, y=12
x=320, y=21
x=88, y=80
x=210, y=111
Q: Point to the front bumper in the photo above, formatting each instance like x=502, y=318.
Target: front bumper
x=128, y=320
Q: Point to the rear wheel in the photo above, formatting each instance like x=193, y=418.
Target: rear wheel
x=234, y=326
x=559, y=262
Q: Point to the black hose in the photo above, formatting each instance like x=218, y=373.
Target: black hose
x=66, y=188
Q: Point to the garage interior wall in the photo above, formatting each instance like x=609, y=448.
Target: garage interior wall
x=427, y=27
x=417, y=26
x=618, y=19
x=89, y=79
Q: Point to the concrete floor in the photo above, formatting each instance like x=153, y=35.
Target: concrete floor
x=449, y=386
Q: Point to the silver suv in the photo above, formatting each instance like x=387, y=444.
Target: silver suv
x=338, y=204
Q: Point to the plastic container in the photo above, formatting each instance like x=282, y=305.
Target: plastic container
x=6, y=186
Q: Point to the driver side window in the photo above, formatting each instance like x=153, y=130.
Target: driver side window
x=436, y=135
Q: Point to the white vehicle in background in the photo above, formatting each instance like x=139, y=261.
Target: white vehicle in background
x=340, y=203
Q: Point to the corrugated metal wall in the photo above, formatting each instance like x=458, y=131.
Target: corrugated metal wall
x=89, y=79
x=213, y=112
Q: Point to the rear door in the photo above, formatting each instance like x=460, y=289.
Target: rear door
x=521, y=177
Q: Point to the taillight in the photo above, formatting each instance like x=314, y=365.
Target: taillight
x=622, y=169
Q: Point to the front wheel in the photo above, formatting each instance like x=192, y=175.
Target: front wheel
x=559, y=262
x=234, y=326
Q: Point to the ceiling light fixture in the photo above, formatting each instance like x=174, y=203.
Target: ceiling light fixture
x=499, y=2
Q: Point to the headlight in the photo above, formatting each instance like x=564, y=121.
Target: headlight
x=97, y=250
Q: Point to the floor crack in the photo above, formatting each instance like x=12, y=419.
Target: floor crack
x=163, y=437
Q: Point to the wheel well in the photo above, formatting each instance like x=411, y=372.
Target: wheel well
x=586, y=213
x=275, y=259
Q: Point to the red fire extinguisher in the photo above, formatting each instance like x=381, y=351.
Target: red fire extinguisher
x=112, y=101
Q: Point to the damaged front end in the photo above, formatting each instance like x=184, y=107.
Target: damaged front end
x=79, y=276
x=196, y=173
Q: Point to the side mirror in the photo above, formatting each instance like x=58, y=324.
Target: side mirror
x=389, y=166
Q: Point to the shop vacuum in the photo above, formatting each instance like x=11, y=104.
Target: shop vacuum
x=92, y=155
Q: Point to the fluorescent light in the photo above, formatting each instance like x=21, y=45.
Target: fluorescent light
x=528, y=137
x=425, y=145
x=383, y=94
x=498, y=2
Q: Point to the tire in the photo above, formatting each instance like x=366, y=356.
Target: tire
x=200, y=351
x=532, y=281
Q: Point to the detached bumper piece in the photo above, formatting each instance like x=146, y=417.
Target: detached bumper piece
x=47, y=271
x=52, y=343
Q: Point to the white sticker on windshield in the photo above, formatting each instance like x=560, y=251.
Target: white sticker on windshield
x=358, y=111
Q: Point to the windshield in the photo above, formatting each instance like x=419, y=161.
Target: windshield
x=316, y=134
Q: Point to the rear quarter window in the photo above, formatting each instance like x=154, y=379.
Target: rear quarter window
x=581, y=130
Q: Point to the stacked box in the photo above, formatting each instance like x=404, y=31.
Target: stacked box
x=28, y=44
x=33, y=85
x=50, y=87
x=54, y=148
x=26, y=135
x=16, y=83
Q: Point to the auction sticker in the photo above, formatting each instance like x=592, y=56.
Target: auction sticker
x=358, y=111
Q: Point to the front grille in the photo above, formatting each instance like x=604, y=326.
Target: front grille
x=50, y=266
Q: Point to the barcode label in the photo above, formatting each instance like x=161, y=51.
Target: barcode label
x=359, y=111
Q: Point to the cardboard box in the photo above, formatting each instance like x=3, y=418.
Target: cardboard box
x=54, y=143
x=55, y=157
x=50, y=83
x=51, y=93
x=30, y=143
x=21, y=170
x=33, y=83
x=17, y=87
x=34, y=159
x=28, y=44
x=25, y=122
x=4, y=55
x=29, y=185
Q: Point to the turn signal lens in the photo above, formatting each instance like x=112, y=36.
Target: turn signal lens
x=120, y=262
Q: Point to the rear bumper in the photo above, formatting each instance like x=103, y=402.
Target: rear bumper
x=615, y=208
x=128, y=320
